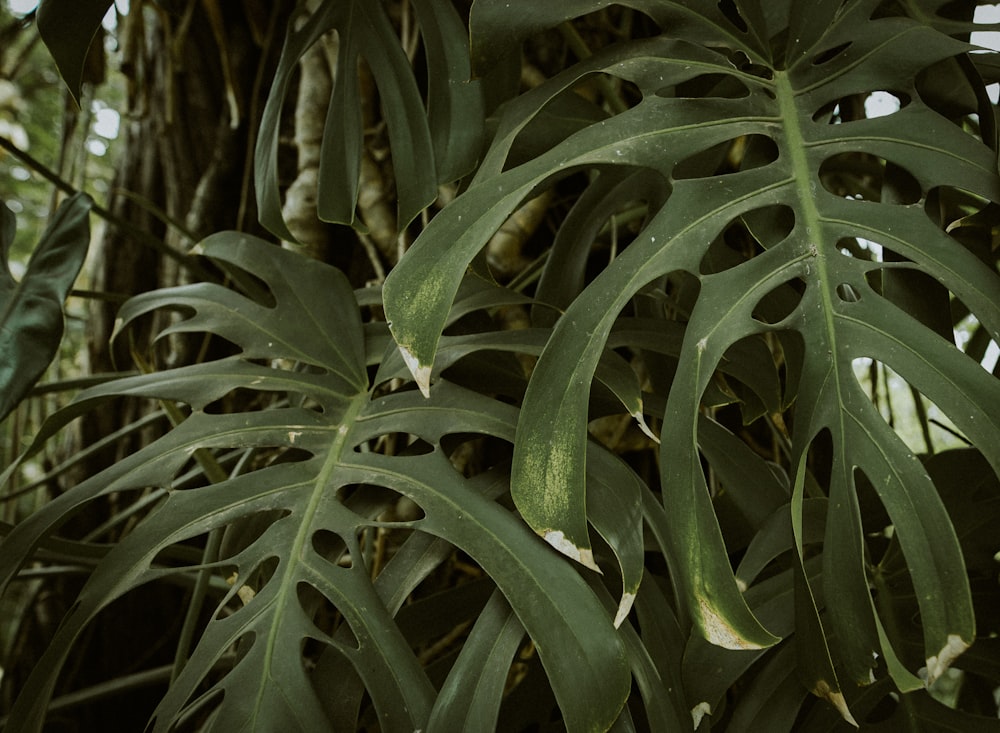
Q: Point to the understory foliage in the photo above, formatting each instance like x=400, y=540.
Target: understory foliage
x=618, y=444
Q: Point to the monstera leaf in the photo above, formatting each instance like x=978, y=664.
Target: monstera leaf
x=31, y=311
x=742, y=122
x=294, y=512
x=429, y=146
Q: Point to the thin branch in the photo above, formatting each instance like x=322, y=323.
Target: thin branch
x=140, y=235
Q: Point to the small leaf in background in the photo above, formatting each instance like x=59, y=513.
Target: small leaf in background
x=421, y=157
x=31, y=316
x=60, y=23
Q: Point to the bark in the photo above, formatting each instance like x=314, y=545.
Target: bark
x=197, y=79
x=194, y=96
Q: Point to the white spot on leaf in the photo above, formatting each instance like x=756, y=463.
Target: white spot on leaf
x=718, y=631
x=421, y=372
x=582, y=555
x=937, y=665
x=293, y=434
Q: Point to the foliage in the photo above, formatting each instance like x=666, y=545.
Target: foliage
x=31, y=318
x=735, y=238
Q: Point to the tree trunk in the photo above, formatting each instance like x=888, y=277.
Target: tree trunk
x=196, y=81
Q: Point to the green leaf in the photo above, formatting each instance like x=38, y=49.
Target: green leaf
x=776, y=88
x=31, y=311
x=774, y=696
x=454, y=101
x=498, y=30
x=428, y=147
x=68, y=28
x=317, y=504
x=470, y=697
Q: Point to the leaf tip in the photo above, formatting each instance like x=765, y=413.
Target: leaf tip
x=624, y=607
x=644, y=427
x=583, y=555
x=698, y=712
x=421, y=372
x=835, y=698
x=939, y=663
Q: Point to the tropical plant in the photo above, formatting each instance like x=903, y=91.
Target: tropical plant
x=622, y=471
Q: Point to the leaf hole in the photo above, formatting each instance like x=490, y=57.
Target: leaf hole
x=770, y=225
x=707, y=86
x=320, y=610
x=399, y=508
x=972, y=337
x=731, y=156
x=829, y=112
x=830, y=54
x=882, y=103
x=249, y=284
x=860, y=249
x=945, y=88
x=866, y=177
x=397, y=444
x=921, y=424
x=848, y=293
x=861, y=106
x=752, y=377
x=248, y=584
x=734, y=246
x=781, y=302
x=472, y=454
x=382, y=514
x=732, y=13
x=746, y=237
x=563, y=115
x=593, y=87
x=966, y=216
x=244, y=531
x=240, y=399
x=741, y=61
x=955, y=10
x=332, y=547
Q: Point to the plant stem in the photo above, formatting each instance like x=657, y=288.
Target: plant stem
x=140, y=235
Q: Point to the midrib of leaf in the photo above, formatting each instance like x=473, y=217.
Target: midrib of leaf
x=805, y=184
x=305, y=528
x=820, y=666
